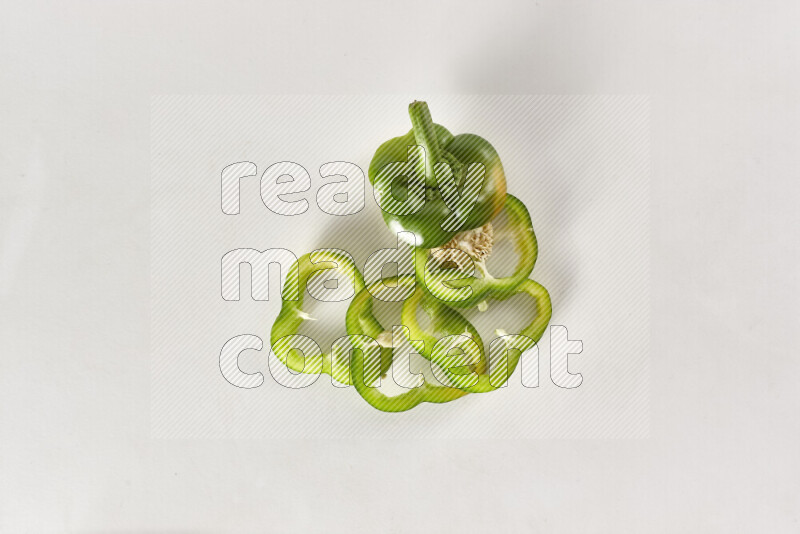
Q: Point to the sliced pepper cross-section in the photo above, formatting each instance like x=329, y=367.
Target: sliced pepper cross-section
x=457, y=272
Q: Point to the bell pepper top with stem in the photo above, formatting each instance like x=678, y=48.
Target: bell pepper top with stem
x=440, y=146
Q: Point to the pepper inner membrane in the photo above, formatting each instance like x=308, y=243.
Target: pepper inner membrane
x=504, y=258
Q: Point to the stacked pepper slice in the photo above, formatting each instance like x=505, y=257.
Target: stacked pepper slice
x=373, y=343
x=422, y=181
x=486, y=372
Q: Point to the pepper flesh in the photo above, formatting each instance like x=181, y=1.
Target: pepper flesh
x=440, y=146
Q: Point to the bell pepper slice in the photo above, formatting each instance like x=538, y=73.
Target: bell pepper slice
x=369, y=339
x=284, y=339
x=504, y=351
x=455, y=370
x=465, y=281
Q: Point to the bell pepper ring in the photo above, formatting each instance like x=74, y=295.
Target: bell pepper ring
x=434, y=184
x=457, y=273
x=307, y=274
x=504, y=351
x=369, y=338
x=455, y=370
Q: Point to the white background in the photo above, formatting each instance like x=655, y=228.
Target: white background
x=75, y=448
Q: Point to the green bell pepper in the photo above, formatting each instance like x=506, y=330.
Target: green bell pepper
x=450, y=191
x=429, y=217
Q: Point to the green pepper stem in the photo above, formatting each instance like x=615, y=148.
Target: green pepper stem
x=425, y=135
